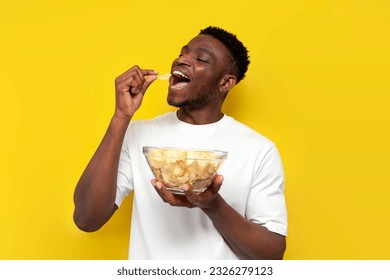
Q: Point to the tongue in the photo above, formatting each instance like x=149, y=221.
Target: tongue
x=179, y=85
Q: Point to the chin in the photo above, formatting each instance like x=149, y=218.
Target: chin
x=172, y=102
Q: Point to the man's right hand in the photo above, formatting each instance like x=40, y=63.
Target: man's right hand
x=130, y=88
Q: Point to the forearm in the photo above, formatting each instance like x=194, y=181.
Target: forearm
x=95, y=192
x=248, y=240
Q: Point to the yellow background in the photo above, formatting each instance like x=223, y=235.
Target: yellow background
x=318, y=86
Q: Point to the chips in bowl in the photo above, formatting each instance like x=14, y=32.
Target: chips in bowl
x=175, y=167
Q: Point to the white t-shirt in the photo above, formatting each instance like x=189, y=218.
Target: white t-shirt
x=253, y=185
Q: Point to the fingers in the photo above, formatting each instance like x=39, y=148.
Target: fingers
x=135, y=80
x=190, y=198
x=142, y=80
x=203, y=200
x=170, y=198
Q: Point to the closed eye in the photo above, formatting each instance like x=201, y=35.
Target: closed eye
x=202, y=59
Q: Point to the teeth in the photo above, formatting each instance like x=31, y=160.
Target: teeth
x=176, y=72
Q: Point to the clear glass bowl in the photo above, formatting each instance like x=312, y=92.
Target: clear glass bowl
x=175, y=167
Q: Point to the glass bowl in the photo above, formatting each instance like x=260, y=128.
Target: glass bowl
x=175, y=167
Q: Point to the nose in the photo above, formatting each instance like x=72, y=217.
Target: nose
x=183, y=60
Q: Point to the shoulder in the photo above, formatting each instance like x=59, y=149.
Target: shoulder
x=247, y=135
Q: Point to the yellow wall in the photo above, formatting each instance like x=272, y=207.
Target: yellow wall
x=318, y=86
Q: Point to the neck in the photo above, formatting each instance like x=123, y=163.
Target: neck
x=199, y=117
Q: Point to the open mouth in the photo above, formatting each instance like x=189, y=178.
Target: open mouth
x=179, y=80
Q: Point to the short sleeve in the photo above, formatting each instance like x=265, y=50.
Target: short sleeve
x=266, y=202
x=125, y=175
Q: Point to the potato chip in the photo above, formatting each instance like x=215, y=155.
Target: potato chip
x=163, y=77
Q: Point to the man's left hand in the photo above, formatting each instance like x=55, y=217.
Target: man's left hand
x=190, y=199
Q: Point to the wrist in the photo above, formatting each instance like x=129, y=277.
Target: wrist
x=121, y=118
x=120, y=122
x=214, y=206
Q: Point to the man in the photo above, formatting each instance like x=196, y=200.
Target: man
x=242, y=215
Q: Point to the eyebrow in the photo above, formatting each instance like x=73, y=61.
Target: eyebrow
x=186, y=47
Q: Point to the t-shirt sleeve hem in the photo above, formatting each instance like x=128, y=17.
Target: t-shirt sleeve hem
x=118, y=200
x=276, y=228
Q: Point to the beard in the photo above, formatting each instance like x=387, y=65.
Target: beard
x=194, y=102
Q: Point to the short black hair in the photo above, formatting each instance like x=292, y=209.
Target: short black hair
x=237, y=49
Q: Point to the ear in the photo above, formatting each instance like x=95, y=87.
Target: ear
x=228, y=81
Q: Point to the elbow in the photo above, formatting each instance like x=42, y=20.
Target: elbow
x=275, y=250
x=279, y=249
x=90, y=221
x=85, y=224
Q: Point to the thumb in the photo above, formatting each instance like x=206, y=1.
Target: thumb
x=216, y=184
x=148, y=80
